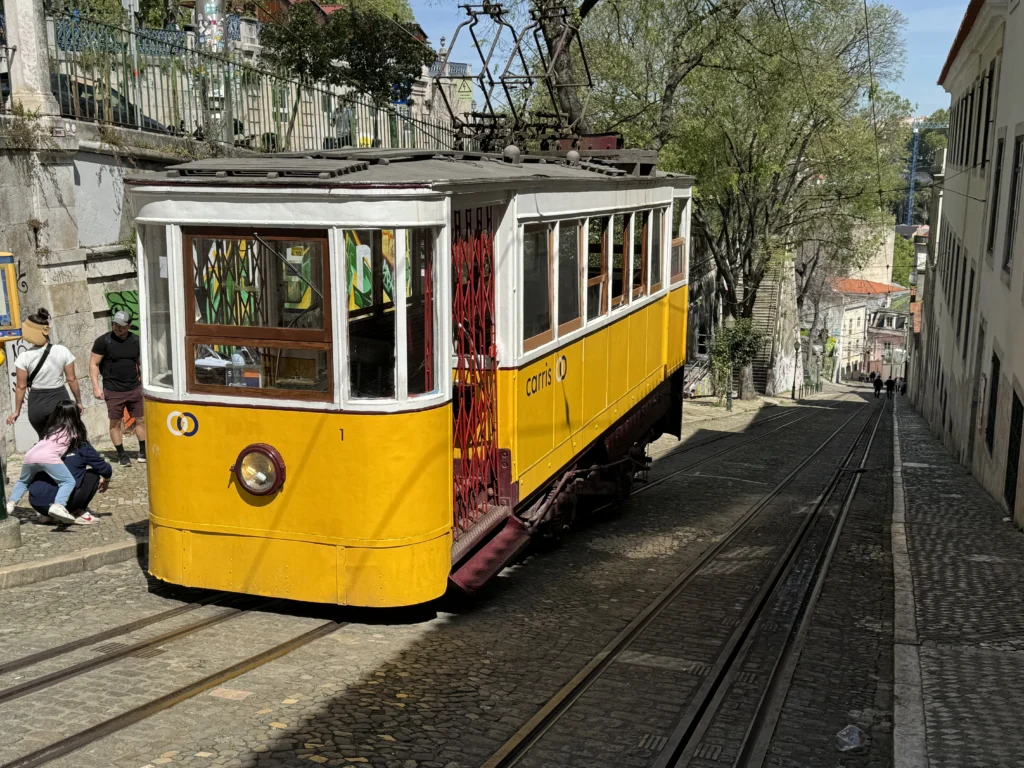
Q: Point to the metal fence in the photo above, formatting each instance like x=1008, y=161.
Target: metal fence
x=157, y=81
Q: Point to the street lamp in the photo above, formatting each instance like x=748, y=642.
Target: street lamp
x=730, y=323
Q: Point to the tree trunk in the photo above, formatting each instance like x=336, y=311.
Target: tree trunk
x=747, y=382
x=566, y=70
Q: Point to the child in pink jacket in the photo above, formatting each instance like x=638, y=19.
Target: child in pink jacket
x=64, y=430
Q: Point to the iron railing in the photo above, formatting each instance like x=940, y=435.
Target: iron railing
x=157, y=81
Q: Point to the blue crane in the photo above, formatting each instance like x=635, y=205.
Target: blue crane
x=920, y=125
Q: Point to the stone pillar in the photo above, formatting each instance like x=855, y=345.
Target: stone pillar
x=29, y=67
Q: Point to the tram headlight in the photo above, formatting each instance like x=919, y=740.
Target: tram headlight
x=259, y=469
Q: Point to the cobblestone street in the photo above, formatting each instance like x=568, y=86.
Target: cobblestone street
x=448, y=684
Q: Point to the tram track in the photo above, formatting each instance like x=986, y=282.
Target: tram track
x=139, y=713
x=529, y=735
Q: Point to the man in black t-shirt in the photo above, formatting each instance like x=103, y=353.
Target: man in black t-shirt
x=116, y=355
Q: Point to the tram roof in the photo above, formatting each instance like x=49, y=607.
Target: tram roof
x=403, y=167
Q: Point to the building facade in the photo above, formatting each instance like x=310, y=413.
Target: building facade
x=970, y=382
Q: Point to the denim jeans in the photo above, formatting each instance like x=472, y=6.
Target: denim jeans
x=60, y=473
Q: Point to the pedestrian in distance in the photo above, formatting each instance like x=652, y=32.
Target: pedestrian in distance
x=44, y=372
x=877, y=383
x=903, y=385
x=890, y=387
x=64, y=430
x=116, y=355
x=92, y=475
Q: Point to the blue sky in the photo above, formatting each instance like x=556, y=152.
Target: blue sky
x=931, y=27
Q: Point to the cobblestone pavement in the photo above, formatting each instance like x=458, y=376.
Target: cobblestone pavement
x=440, y=687
x=123, y=512
x=967, y=565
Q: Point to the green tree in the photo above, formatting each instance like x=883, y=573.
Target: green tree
x=902, y=261
x=375, y=54
x=734, y=349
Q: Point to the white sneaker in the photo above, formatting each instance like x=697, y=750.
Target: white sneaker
x=86, y=518
x=10, y=507
x=60, y=512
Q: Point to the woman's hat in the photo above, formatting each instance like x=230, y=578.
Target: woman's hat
x=35, y=333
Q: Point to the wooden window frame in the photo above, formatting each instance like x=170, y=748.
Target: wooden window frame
x=676, y=239
x=639, y=291
x=235, y=336
x=616, y=302
x=544, y=337
x=582, y=236
x=603, y=278
x=655, y=287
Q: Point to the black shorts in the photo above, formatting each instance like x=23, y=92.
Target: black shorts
x=117, y=402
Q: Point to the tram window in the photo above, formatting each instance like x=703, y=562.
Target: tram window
x=419, y=312
x=370, y=260
x=570, y=299
x=677, y=265
x=158, y=306
x=259, y=280
x=641, y=253
x=657, y=256
x=620, y=257
x=536, y=286
x=597, y=267
x=258, y=313
x=264, y=367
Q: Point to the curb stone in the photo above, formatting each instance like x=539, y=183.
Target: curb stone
x=84, y=560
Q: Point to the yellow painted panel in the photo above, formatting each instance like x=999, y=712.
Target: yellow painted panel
x=638, y=347
x=397, y=576
x=534, y=397
x=567, y=398
x=618, y=359
x=365, y=479
x=507, y=380
x=165, y=553
x=595, y=375
x=298, y=570
x=677, y=309
x=656, y=335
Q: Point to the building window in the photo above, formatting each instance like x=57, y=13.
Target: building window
x=990, y=85
x=960, y=301
x=621, y=244
x=967, y=325
x=1013, y=207
x=641, y=253
x=997, y=180
x=570, y=297
x=420, y=287
x=537, y=286
x=993, y=404
x=597, y=267
x=258, y=313
x=158, y=306
x=657, y=254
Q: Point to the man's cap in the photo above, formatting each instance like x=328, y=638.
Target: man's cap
x=122, y=318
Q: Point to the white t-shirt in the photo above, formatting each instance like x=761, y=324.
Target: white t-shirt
x=51, y=375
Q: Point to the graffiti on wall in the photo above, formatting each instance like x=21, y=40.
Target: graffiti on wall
x=125, y=301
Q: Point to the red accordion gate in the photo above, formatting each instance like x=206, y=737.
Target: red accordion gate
x=475, y=390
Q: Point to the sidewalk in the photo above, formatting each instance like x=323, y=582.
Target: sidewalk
x=959, y=622
x=49, y=550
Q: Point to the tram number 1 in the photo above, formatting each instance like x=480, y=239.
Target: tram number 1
x=342, y=431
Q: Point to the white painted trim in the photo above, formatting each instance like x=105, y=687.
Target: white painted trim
x=553, y=245
x=401, y=310
x=339, y=307
x=140, y=263
x=176, y=277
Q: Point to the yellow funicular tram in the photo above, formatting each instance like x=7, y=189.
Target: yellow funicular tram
x=368, y=372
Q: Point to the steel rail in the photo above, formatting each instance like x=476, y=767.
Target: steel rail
x=758, y=737
x=106, y=634
x=690, y=729
x=529, y=734
x=61, y=675
x=120, y=722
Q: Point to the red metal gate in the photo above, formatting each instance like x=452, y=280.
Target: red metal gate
x=475, y=390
